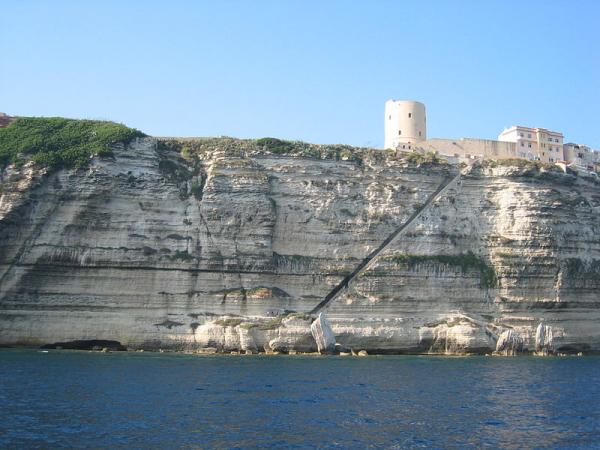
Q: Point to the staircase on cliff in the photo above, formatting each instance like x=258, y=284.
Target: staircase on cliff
x=370, y=258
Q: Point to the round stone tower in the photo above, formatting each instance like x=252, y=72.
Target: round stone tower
x=405, y=123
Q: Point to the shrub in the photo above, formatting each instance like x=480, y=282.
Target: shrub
x=197, y=190
x=275, y=145
x=57, y=142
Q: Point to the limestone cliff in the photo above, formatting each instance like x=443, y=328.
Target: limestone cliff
x=228, y=244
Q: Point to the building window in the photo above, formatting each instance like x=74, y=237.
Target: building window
x=529, y=145
x=409, y=115
x=521, y=134
x=551, y=160
x=399, y=133
x=390, y=117
x=550, y=139
x=419, y=133
x=522, y=144
x=529, y=135
x=556, y=140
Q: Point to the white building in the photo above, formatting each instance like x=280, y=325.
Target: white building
x=406, y=129
x=535, y=143
x=405, y=123
x=581, y=156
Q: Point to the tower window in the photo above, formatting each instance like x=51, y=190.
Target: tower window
x=399, y=133
x=419, y=133
x=409, y=115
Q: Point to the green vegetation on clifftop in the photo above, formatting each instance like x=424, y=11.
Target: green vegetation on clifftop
x=57, y=142
x=522, y=164
x=198, y=149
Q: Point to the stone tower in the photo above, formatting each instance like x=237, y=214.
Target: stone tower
x=405, y=123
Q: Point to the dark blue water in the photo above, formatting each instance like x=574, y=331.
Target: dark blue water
x=143, y=400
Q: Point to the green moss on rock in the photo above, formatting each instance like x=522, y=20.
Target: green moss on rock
x=465, y=261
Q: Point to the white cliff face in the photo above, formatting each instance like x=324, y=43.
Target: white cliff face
x=156, y=251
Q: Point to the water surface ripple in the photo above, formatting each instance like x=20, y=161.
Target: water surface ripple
x=146, y=400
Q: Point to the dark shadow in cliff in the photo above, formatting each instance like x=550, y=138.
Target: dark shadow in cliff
x=91, y=344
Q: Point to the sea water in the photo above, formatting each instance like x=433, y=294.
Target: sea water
x=160, y=400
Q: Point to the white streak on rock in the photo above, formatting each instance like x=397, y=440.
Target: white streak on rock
x=509, y=343
x=544, y=339
x=323, y=334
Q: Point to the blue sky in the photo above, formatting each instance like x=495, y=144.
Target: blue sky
x=318, y=71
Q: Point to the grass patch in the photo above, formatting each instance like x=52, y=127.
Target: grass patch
x=56, y=142
x=522, y=164
x=272, y=324
x=199, y=149
x=298, y=315
x=424, y=159
x=507, y=255
x=228, y=322
x=465, y=261
x=181, y=255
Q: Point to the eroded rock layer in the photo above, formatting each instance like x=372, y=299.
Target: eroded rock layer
x=229, y=251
